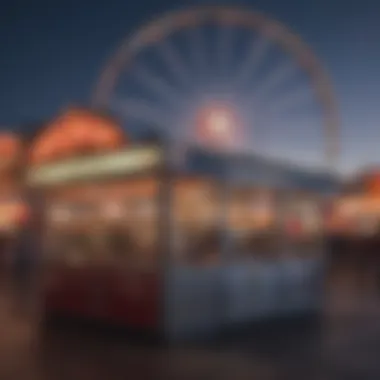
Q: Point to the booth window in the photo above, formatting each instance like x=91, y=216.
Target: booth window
x=195, y=223
x=119, y=245
x=252, y=224
x=77, y=250
x=143, y=231
x=303, y=222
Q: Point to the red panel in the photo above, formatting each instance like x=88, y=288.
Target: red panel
x=70, y=292
x=134, y=300
x=131, y=300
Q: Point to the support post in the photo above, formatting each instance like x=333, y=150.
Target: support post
x=226, y=245
x=164, y=222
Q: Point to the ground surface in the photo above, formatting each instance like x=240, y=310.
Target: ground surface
x=348, y=347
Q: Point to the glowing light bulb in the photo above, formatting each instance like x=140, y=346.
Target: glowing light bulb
x=217, y=124
x=220, y=123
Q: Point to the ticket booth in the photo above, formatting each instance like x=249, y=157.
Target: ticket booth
x=133, y=241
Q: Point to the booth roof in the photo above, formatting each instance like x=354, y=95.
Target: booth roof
x=255, y=169
x=33, y=129
x=250, y=168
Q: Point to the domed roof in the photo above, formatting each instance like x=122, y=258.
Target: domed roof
x=75, y=132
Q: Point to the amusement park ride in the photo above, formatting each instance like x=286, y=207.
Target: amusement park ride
x=227, y=237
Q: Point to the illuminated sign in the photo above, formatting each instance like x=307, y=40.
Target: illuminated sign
x=126, y=162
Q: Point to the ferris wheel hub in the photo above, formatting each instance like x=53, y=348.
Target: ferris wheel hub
x=217, y=123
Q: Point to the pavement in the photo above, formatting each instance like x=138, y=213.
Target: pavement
x=346, y=347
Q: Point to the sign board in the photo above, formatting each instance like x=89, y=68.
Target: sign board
x=127, y=162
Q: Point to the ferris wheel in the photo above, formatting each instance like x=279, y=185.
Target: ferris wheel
x=231, y=67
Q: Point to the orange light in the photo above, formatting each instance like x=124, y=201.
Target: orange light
x=374, y=184
x=13, y=214
x=10, y=149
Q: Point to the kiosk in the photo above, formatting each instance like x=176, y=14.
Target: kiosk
x=131, y=240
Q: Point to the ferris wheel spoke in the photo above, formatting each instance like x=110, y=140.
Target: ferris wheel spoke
x=142, y=111
x=297, y=99
x=156, y=84
x=175, y=63
x=259, y=48
x=197, y=49
x=283, y=73
x=223, y=53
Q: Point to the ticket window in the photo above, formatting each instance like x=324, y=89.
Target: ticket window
x=70, y=233
x=57, y=231
x=114, y=243
x=195, y=232
x=252, y=222
x=118, y=245
x=120, y=223
x=72, y=248
x=201, y=246
x=78, y=249
x=303, y=227
x=144, y=232
x=238, y=228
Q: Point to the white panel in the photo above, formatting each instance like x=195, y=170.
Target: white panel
x=125, y=162
x=302, y=285
x=195, y=299
x=205, y=300
x=252, y=291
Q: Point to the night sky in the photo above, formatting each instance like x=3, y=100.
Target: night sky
x=51, y=54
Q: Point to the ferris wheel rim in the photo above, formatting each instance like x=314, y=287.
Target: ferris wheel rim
x=160, y=28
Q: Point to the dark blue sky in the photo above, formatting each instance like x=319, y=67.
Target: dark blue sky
x=51, y=54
